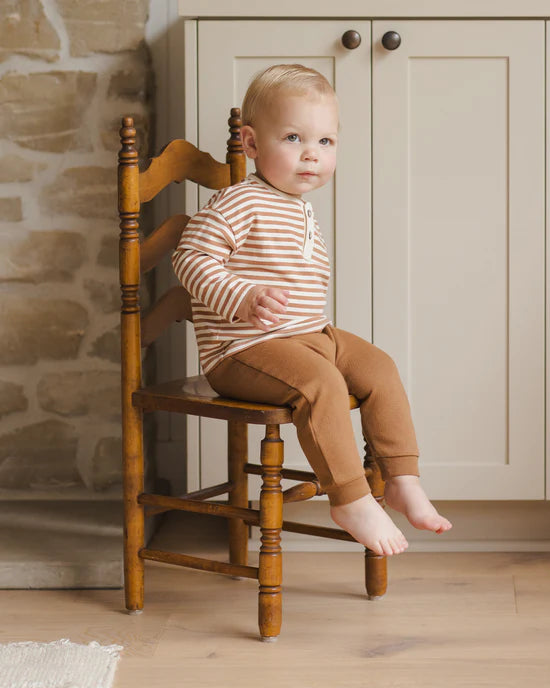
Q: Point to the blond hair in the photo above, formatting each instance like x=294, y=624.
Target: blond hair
x=290, y=78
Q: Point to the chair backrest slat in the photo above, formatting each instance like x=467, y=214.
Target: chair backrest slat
x=178, y=161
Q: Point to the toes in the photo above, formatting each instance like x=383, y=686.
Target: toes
x=433, y=522
x=402, y=545
x=377, y=548
x=387, y=549
x=394, y=545
x=444, y=526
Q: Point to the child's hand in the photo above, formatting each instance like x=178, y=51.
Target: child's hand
x=262, y=304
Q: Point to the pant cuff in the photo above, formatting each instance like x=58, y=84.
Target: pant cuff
x=349, y=492
x=392, y=466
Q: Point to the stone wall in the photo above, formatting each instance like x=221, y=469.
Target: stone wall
x=68, y=71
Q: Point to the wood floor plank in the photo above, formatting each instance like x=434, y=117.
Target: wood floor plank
x=138, y=634
x=455, y=620
x=347, y=636
x=373, y=674
x=533, y=596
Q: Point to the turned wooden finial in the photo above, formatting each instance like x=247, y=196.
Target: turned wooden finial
x=235, y=152
x=128, y=154
x=234, y=143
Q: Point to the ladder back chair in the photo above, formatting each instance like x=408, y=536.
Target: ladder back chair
x=178, y=161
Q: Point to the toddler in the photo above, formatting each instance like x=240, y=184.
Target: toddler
x=257, y=268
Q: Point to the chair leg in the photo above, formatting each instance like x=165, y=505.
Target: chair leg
x=134, y=519
x=237, y=442
x=271, y=521
x=376, y=575
x=376, y=571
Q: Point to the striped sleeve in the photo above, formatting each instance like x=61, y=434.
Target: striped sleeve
x=199, y=261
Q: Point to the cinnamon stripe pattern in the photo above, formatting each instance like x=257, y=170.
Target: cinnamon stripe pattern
x=251, y=234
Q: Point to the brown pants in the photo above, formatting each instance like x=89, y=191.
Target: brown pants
x=314, y=375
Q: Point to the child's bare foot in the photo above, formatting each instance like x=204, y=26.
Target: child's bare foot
x=405, y=494
x=369, y=524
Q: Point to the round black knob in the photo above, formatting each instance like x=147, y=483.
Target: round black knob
x=351, y=39
x=391, y=40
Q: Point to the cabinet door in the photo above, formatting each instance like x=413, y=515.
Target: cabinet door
x=230, y=53
x=458, y=243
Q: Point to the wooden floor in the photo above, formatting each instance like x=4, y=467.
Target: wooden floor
x=448, y=620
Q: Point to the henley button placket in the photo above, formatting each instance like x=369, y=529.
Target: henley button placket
x=309, y=238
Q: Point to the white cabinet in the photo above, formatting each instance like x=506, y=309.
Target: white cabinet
x=438, y=254
x=458, y=246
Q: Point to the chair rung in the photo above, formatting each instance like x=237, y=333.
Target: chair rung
x=291, y=473
x=199, y=563
x=251, y=516
x=302, y=492
x=206, y=493
x=319, y=531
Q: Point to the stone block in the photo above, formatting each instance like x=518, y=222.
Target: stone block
x=25, y=30
x=10, y=209
x=133, y=80
x=93, y=392
x=107, y=463
x=39, y=456
x=14, y=168
x=83, y=191
x=109, y=26
x=12, y=398
x=105, y=296
x=49, y=256
x=45, y=110
x=108, y=252
x=107, y=346
x=40, y=328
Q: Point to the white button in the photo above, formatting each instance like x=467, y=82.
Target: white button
x=309, y=241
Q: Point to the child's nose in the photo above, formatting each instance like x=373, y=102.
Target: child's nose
x=310, y=153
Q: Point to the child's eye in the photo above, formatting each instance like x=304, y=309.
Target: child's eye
x=292, y=138
x=325, y=141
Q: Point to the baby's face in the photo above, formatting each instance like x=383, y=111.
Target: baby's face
x=294, y=143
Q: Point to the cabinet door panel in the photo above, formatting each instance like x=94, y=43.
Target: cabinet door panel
x=229, y=54
x=547, y=251
x=458, y=244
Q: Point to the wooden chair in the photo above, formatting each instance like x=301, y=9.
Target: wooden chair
x=178, y=161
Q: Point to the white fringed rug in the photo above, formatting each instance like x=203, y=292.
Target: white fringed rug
x=60, y=664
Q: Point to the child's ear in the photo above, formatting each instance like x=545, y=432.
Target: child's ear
x=248, y=138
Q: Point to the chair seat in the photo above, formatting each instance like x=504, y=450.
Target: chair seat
x=194, y=396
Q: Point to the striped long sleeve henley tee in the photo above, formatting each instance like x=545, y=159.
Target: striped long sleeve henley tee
x=251, y=234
